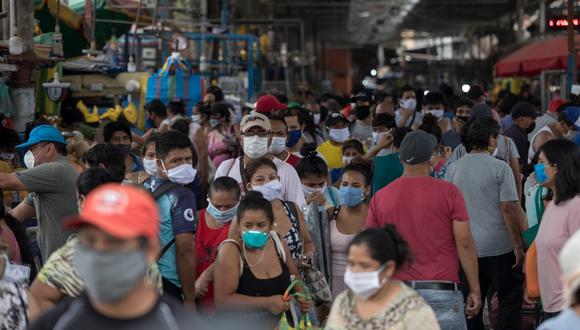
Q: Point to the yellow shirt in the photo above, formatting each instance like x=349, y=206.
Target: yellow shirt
x=332, y=154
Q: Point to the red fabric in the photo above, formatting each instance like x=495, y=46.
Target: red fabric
x=423, y=210
x=531, y=59
x=269, y=103
x=555, y=104
x=207, y=241
x=293, y=160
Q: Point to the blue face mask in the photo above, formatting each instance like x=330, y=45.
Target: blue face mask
x=293, y=138
x=540, y=170
x=254, y=239
x=223, y=217
x=351, y=196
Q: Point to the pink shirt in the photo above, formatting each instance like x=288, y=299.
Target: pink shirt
x=9, y=238
x=423, y=210
x=559, y=222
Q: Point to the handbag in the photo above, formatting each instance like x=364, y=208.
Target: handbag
x=319, y=288
x=532, y=281
x=304, y=323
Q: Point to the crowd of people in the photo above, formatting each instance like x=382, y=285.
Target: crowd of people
x=380, y=211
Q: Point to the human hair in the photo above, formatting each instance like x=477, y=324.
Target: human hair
x=116, y=126
x=91, y=179
x=222, y=109
x=361, y=167
x=156, y=107
x=60, y=148
x=181, y=126
x=384, y=119
x=216, y=92
x=311, y=164
x=150, y=140
x=255, y=164
x=278, y=118
x=479, y=132
x=353, y=144
x=176, y=107
x=463, y=102
x=71, y=115
x=384, y=244
x=172, y=140
x=399, y=135
x=110, y=157
x=407, y=88
x=225, y=184
x=434, y=98
x=507, y=103
x=566, y=156
x=22, y=239
x=8, y=138
x=430, y=126
x=255, y=201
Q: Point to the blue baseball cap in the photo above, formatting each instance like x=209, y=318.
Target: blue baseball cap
x=42, y=133
x=573, y=115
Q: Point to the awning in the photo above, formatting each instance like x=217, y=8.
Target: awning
x=533, y=58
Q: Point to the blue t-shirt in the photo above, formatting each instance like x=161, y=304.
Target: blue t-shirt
x=177, y=210
x=568, y=319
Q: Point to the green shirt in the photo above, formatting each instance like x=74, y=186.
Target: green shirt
x=387, y=169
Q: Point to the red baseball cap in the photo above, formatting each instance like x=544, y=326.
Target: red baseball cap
x=555, y=104
x=268, y=103
x=122, y=211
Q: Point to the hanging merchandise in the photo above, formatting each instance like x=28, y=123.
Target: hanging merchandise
x=175, y=79
x=90, y=117
x=130, y=113
x=112, y=113
x=56, y=91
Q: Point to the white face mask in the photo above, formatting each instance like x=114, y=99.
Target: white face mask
x=195, y=119
x=150, y=166
x=409, y=104
x=309, y=190
x=438, y=113
x=377, y=137
x=182, y=174
x=278, y=145
x=316, y=118
x=271, y=190
x=255, y=146
x=364, y=284
x=29, y=159
x=339, y=135
x=346, y=160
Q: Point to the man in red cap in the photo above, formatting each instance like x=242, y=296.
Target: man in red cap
x=117, y=229
x=267, y=104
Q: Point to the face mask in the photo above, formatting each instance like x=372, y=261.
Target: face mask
x=409, y=104
x=254, y=239
x=277, y=146
x=7, y=155
x=110, y=276
x=571, y=135
x=351, y=196
x=531, y=128
x=339, y=135
x=364, y=284
x=255, y=146
x=377, y=137
x=214, y=122
x=271, y=190
x=150, y=166
x=293, y=137
x=223, y=217
x=463, y=118
x=346, y=160
x=362, y=112
x=540, y=170
x=309, y=190
x=316, y=118
x=437, y=113
x=125, y=149
x=182, y=174
x=195, y=119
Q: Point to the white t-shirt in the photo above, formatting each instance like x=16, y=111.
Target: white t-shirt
x=291, y=185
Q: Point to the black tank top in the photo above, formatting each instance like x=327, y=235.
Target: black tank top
x=249, y=285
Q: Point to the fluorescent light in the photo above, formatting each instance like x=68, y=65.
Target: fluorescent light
x=465, y=88
x=373, y=72
x=364, y=14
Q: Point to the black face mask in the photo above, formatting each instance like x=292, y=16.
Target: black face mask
x=362, y=112
x=463, y=118
x=531, y=128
